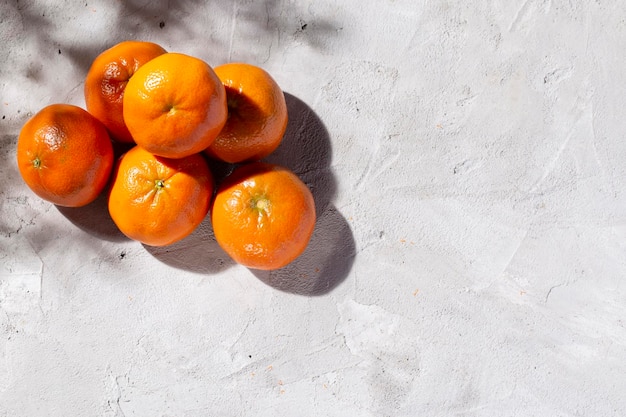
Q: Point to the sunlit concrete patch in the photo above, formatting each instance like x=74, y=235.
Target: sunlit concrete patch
x=385, y=343
x=21, y=273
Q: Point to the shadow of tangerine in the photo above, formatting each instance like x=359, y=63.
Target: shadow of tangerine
x=328, y=259
x=324, y=264
x=306, y=150
x=198, y=252
x=94, y=219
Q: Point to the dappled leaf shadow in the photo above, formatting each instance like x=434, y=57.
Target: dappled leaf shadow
x=181, y=26
x=9, y=224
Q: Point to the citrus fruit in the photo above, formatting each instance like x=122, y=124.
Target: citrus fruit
x=175, y=105
x=106, y=81
x=65, y=155
x=257, y=114
x=158, y=200
x=263, y=216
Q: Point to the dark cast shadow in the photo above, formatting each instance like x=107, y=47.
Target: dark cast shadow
x=324, y=264
x=94, y=219
x=306, y=150
x=327, y=261
x=198, y=252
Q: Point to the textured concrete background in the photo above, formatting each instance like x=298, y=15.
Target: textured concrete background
x=467, y=159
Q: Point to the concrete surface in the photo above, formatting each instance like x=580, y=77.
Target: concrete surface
x=467, y=159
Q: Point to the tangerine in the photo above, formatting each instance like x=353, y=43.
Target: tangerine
x=175, y=105
x=257, y=114
x=65, y=155
x=263, y=216
x=157, y=200
x=107, y=79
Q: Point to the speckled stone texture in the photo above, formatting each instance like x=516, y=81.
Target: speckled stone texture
x=468, y=164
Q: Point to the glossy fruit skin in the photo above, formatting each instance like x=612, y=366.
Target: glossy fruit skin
x=257, y=114
x=65, y=155
x=107, y=79
x=157, y=200
x=175, y=105
x=263, y=216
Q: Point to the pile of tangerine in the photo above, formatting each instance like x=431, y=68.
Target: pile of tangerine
x=177, y=113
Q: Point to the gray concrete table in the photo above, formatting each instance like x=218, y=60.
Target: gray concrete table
x=469, y=258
